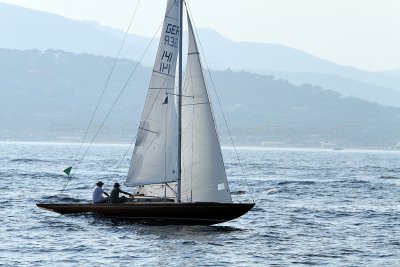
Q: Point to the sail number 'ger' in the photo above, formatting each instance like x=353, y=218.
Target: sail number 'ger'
x=171, y=39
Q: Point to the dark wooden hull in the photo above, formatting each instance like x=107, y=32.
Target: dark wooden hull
x=201, y=213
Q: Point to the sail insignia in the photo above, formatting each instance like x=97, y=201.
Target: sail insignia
x=165, y=101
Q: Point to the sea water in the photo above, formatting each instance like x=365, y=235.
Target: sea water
x=313, y=207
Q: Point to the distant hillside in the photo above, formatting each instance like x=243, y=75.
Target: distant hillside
x=344, y=86
x=393, y=73
x=51, y=95
x=28, y=29
x=303, y=115
x=24, y=28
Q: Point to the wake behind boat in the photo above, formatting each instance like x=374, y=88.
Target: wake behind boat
x=177, y=144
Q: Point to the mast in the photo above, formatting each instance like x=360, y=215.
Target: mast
x=178, y=197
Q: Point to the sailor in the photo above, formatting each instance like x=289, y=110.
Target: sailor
x=98, y=193
x=114, y=196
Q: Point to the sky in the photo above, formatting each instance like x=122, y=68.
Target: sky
x=357, y=33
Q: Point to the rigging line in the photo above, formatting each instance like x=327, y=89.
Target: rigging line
x=123, y=158
x=147, y=130
x=219, y=103
x=160, y=88
x=196, y=104
x=162, y=73
x=193, y=133
x=165, y=144
x=74, y=165
x=191, y=96
x=167, y=184
x=165, y=152
x=174, y=141
x=186, y=185
x=108, y=79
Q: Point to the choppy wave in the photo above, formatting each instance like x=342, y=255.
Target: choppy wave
x=297, y=182
x=63, y=199
x=389, y=177
x=239, y=192
x=346, y=212
x=29, y=160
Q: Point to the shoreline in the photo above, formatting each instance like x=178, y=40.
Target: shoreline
x=241, y=146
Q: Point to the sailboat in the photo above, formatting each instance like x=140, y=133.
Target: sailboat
x=177, y=144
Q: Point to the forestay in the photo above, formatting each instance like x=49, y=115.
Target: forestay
x=155, y=155
x=203, y=172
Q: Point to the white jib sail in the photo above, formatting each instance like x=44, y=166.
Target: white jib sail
x=154, y=158
x=203, y=172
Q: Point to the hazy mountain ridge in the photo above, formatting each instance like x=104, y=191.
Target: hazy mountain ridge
x=51, y=95
x=393, y=73
x=345, y=86
x=28, y=29
x=24, y=28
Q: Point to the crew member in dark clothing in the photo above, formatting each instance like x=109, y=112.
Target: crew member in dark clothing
x=114, y=195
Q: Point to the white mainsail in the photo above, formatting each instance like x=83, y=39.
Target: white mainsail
x=203, y=172
x=154, y=158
